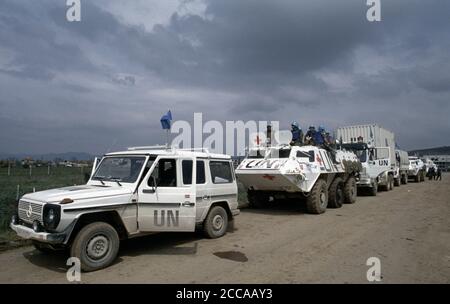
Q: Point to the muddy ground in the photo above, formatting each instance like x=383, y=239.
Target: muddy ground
x=408, y=229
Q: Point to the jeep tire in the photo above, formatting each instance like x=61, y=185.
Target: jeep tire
x=350, y=191
x=216, y=222
x=336, y=193
x=96, y=245
x=317, y=200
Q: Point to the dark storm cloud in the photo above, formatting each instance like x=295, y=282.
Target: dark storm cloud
x=72, y=86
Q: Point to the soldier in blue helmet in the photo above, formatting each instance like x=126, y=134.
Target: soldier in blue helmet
x=310, y=136
x=297, y=134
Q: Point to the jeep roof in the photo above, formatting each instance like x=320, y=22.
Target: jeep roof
x=158, y=150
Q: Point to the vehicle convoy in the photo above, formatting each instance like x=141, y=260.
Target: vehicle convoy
x=401, y=167
x=284, y=171
x=417, y=169
x=132, y=193
x=375, y=147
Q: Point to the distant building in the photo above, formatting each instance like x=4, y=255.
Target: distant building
x=442, y=161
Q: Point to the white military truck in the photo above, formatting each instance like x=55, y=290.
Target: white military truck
x=401, y=167
x=375, y=147
x=131, y=193
x=284, y=171
x=416, y=169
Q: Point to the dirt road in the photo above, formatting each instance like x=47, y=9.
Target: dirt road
x=408, y=229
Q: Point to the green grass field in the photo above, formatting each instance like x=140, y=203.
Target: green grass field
x=39, y=180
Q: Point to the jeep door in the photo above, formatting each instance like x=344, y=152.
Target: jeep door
x=166, y=197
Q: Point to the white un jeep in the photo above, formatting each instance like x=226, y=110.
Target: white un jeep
x=131, y=193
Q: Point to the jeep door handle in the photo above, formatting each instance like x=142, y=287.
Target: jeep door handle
x=188, y=204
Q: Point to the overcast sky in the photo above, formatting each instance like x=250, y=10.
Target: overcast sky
x=103, y=83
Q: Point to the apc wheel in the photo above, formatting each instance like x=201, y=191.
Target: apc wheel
x=374, y=189
x=42, y=248
x=336, y=193
x=350, y=191
x=317, y=200
x=255, y=200
x=96, y=245
x=216, y=223
x=397, y=182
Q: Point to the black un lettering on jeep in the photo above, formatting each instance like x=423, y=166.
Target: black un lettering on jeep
x=172, y=219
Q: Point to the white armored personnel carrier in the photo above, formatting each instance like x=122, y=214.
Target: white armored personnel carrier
x=417, y=169
x=285, y=171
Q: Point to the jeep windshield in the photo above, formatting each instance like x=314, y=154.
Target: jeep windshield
x=119, y=169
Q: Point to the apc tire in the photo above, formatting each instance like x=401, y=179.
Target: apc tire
x=417, y=178
x=317, y=201
x=216, y=223
x=350, y=191
x=397, y=182
x=336, y=193
x=96, y=245
x=255, y=200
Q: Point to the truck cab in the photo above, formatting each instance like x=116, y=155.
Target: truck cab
x=377, y=168
x=132, y=193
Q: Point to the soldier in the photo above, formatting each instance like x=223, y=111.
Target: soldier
x=439, y=174
x=297, y=134
x=310, y=136
x=319, y=138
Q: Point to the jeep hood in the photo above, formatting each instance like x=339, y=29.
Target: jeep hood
x=77, y=193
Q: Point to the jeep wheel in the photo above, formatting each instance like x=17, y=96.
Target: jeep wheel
x=336, y=193
x=96, y=245
x=350, y=191
x=42, y=247
x=317, y=200
x=216, y=223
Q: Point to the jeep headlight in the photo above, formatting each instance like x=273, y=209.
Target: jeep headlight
x=51, y=216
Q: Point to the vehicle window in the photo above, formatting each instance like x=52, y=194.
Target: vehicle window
x=309, y=155
x=187, y=171
x=201, y=172
x=382, y=153
x=121, y=169
x=165, y=174
x=362, y=155
x=220, y=172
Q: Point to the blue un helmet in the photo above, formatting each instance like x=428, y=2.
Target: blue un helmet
x=321, y=129
x=294, y=125
x=312, y=127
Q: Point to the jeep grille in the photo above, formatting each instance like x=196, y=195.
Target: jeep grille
x=27, y=216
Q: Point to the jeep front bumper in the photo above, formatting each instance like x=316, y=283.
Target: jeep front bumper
x=45, y=237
